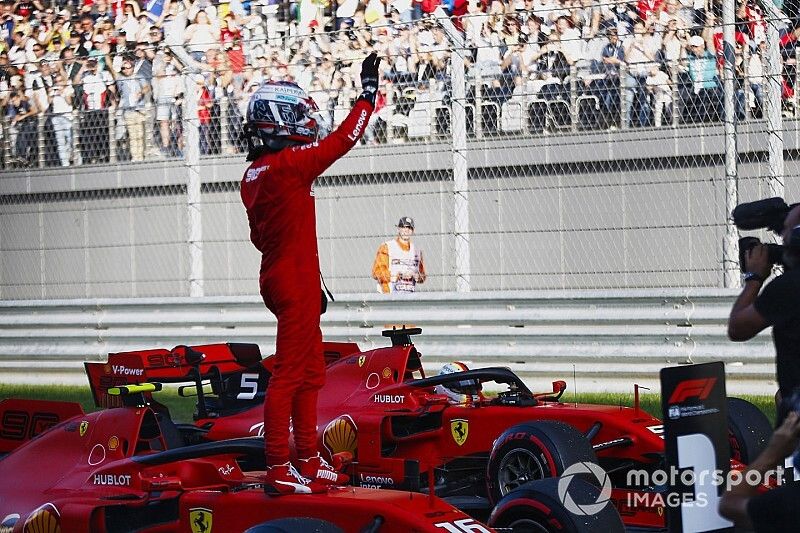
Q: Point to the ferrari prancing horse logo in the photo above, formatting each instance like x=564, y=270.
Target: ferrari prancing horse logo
x=200, y=520
x=459, y=428
x=361, y=360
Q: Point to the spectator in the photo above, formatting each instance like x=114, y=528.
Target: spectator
x=755, y=77
x=17, y=53
x=612, y=57
x=133, y=90
x=205, y=104
x=166, y=88
x=22, y=117
x=200, y=36
x=7, y=22
x=704, y=97
x=639, y=60
x=127, y=20
x=98, y=89
x=660, y=88
x=398, y=265
x=61, y=96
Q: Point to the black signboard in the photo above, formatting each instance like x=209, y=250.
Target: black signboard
x=694, y=409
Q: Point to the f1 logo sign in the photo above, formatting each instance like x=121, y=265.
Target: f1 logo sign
x=692, y=388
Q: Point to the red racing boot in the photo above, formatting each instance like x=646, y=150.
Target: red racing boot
x=319, y=471
x=285, y=479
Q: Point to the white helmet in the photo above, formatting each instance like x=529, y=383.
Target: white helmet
x=281, y=114
x=459, y=392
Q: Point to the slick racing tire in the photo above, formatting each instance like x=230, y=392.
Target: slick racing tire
x=749, y=430
x=536, y=507
x=296, y=525
x=531, y=451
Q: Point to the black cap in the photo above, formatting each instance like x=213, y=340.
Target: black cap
x=406, y=222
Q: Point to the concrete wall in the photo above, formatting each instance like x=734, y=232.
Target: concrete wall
x=624, y=209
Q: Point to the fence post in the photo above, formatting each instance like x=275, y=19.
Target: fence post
x=224, y=145
x=112, y=136
x=772, y=103
x=40, y=140
x=730, y=247
x=5, y=149
x=77, y=158
x=478, y=120
x=573, y=96
x=623, y=95
x=460, y=170
x=676, y=95
x=191, y=152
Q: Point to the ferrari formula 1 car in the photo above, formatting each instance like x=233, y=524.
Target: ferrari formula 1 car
x=128, y=469
x=404, y=434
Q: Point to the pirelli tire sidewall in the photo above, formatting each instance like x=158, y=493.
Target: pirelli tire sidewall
x=295, y=525
x=749, y=430
x=550, y=446
x=536, y=507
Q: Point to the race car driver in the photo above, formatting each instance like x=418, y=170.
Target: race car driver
x=289, y=150
x=466, y=392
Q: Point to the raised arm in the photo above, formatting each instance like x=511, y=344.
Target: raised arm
x=313, y=159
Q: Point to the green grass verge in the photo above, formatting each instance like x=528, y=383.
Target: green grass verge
x=182, y=408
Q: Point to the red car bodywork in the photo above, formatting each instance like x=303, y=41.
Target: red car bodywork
x=114, y=470
x=373, y=406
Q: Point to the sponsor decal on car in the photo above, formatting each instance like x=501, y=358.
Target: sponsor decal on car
x=8, y=522
x=375, y=482
x=114, y=480
x=45, y=519
x=225, y=470
x=389, y=398
x=340, y=435
x=387, y=373
x=459, y=429
x=257, y=430
x=83, y=427
x=113, y=442
x=122, y=370
x=361, y=360
x=201, y=519
x=161, y=360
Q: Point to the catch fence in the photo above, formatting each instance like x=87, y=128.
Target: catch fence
x=567, y=176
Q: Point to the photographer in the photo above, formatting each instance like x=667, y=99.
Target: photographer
x=778, y=305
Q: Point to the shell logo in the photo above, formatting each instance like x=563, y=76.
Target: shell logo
x=45, y=519
x=341, y=435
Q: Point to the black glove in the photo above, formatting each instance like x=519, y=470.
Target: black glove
x=369, y=78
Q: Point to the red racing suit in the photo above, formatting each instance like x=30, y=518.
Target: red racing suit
x=277, y=191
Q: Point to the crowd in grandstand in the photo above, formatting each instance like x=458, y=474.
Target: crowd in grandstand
x=96, y=79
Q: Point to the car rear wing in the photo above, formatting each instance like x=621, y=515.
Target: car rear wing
x=178, y=365
x=22, y=420
x=184, y=364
